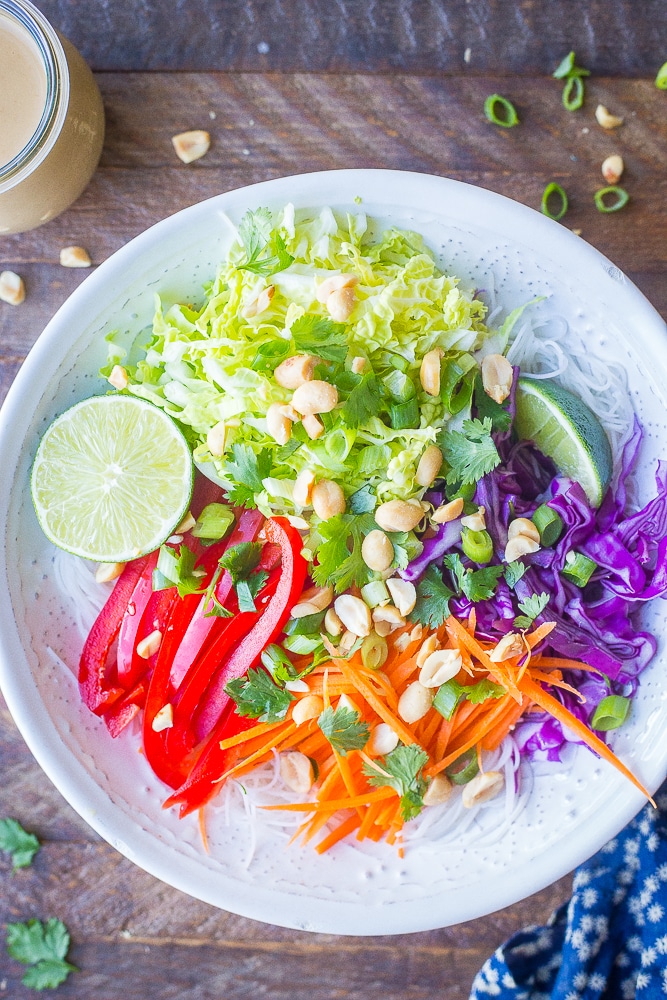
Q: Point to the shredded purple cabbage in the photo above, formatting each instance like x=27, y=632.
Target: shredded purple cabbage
x=593, y=625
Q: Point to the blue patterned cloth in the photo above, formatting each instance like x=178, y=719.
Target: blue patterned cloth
x=610, y=941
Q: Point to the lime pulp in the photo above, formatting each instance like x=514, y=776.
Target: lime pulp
x=112, y=478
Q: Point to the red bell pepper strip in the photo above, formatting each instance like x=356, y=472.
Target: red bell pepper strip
x=200, y=627
x=178, y=651
x=181, y=738
x=216, y=715
x=98, y=690
x=269, y=626
x=130, y=628
x=121, y=713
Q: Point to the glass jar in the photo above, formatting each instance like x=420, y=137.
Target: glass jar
x=51, y=120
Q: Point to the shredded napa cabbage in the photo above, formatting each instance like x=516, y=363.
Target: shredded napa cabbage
x=212, y=367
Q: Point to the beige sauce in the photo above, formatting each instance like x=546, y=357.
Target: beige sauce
x=22, y=88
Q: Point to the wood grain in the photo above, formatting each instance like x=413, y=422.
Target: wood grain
x=378, y=36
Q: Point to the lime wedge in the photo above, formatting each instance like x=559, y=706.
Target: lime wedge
x=567, y=431
x=112, y=478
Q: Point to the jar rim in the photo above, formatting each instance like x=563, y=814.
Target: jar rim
x=57, y=92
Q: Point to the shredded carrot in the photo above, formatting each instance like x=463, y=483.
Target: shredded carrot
x=343, y=792
x=566, y=718
x=347, y=826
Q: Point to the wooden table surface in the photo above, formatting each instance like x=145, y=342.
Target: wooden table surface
x=286, y=88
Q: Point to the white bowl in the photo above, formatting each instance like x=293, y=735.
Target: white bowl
x=572, y=809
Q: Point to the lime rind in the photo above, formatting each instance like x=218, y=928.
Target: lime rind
x=566, y=430
x=112, y=478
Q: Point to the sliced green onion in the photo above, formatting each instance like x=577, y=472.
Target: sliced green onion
x=554, y=190
x=578, y=568
x=403, y=416
x=477, y=545
x=508, y=117
x=374, y=651
x=573, y=93
x=447, y=698
x=274, y=658
x=610, y=713
x=549, y=523
x=661, y=78
x=375, y=593
x=399, y=386
x=308, y=625
x=564, y=67
x=214, y=522
x=270, y=354
x=456, y=382
x=301, y=645
x=464, y=768
x=622, y=198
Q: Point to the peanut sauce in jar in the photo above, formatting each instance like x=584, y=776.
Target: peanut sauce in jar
x=51, y=120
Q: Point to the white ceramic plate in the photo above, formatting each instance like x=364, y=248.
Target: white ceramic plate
x=572, y=810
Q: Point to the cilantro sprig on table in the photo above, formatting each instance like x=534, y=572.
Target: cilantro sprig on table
x=43, y=948
x=402, y=770
x=18, y=843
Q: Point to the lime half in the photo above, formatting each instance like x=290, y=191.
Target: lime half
x=112, y=478
x=567, y=431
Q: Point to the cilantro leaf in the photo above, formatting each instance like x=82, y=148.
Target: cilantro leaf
x=43, y=947
x=320, y=336
x=471, y=453
x=531, y=607
x=451, y=693
x=248, y=589
x=454, y=564
x=364, y=401
x=338, y=549
x=344, y=729
x=240, y=560
x=501, y=419
x=258, y=697
x=432, y=607
x=402, y=771
x=14, y=840
x=265, y=248
x=248, y=471
x=513, y=573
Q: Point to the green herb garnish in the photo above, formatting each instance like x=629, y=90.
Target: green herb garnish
x=344, y=729
x=42, y=947
x=402, y=770
x=17, y=842
x=259, y=697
